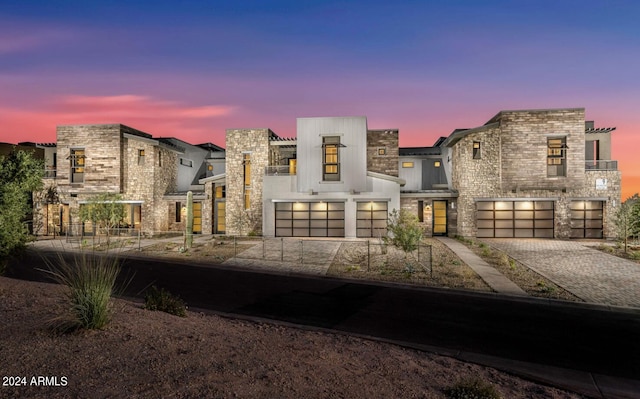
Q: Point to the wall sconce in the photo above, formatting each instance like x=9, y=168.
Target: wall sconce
x=428, y=208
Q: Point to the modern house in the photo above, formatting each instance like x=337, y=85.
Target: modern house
x=152, y=175
x=529, y=173
x=336, y=179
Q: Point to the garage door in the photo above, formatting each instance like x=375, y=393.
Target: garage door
x=309, y=219
x=515, y=219
x=371, y=220
x=586, y=219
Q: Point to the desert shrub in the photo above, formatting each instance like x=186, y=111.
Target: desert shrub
x=472, y=388
x=405, y=230
x=91, y=281
x=164, y=301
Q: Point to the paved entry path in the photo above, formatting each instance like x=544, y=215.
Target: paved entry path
x=592, y=275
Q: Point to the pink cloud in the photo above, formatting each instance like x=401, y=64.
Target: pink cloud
x=158, y=117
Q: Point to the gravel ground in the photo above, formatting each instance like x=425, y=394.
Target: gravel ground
x=144, y=354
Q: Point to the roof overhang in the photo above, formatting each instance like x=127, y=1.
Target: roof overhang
x=213, y=179
x=382, y=176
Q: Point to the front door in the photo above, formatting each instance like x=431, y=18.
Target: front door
x=439, y=218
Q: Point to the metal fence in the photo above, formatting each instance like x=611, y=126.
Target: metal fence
x=365, y=254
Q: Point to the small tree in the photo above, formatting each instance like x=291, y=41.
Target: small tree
x=624, y=220
x=20, y=174
x=405, y=231
x=104, y=211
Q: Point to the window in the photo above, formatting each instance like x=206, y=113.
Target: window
x=330, y=158
x=436, y=164
x=209, y=168
x=159, y=158
x=186, y=162
x=407, y=164
x=382, y=151
x=178, y=212
x=77, y=159
x=477, y=154
x=556, y=156
x=246, y=165
x=220, y=192
x=140, y=157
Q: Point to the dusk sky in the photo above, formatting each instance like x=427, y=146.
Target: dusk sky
x=192, y=69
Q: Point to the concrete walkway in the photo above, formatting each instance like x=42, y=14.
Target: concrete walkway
x=496, y=280
x=591, y=275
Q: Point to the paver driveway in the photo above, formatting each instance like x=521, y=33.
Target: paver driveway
x=588, y=273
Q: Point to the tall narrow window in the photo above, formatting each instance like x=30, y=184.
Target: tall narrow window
x=178, y=212
x=246, y=164
x=159, y=158
x=477, y=154
x=77, y=165
x=330, y=158
x=556, y=156
x=140, y=157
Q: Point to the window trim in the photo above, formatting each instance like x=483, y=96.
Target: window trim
x=246, y=178
x=77, y=165
x=557, y=155
x=477, y=150
x=331, y=160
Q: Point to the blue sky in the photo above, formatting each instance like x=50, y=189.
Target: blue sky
x=192, y=69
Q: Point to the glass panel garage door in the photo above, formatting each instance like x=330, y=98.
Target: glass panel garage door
x=309, y=219
x=586, y=219
x=515, y=219
x=371, y=220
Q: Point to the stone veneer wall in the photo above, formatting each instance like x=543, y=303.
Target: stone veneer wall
x=475, y=177
x=112, y=166
x=503, y=173
x=147, y=181
x=388, y=163
x=238, y=142
x=524, y=148
x=411, y=204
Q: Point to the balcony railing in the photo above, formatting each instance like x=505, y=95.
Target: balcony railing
x=50, y=172
x=279, y=170
x=600, y=164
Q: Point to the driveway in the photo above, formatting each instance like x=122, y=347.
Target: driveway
x=592, y=275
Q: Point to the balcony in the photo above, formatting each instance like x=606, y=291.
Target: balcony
x=600, y=164
x=50, y=172
x=280, y=170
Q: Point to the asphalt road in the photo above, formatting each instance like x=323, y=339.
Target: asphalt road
x=552, y=333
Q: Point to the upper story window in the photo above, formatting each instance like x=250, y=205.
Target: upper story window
x=246, y=166
x=330, y=158
x=186, y=162
x=556, y=156
x=140, y=157
x=382, y=151
x=159, y=158
x=77, y=159
x=477, y=150
x=407, y=164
